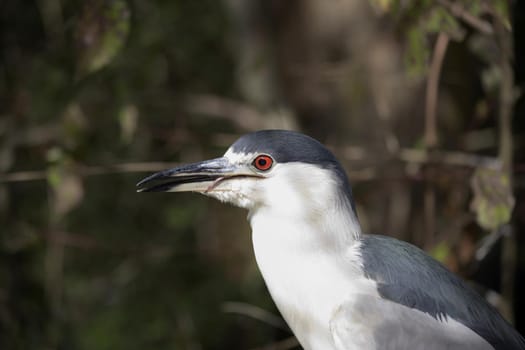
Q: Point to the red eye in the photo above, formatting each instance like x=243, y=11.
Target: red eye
x=263, y=162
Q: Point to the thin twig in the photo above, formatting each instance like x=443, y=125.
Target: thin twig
x=256, y=313
x=22, y=176
x=431, y=134
x=462, y=159
x=285, y=344
x=421, y=156
x=87, y=242
x=438, y=56
x=350, y=153
x=506, y=103
x=71, y=240
x=241, y=114
x=475, y=22
x=36, y=175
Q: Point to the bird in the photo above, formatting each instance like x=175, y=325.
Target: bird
x=336, y=287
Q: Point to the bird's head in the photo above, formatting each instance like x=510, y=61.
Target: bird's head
x=277, y=169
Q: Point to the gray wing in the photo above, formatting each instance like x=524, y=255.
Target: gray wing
x=408, y=276
x=370, y=322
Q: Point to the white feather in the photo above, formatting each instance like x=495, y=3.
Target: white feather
x=369, y=322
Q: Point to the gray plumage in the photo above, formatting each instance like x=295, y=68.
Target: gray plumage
x=407, y=275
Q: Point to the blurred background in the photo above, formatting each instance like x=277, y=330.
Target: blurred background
x=420, y=100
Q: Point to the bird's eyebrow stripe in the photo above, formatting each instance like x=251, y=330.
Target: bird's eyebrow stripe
x=240, y=157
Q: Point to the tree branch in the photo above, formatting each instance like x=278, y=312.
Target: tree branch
x=243, y=115
x=506, y=103
x=475, y=22
x=349, y=153
x=285, y=344
x=37, y=175
x=256, y=313
x=431, y=98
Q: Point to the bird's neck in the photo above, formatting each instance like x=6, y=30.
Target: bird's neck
x=333, y=224
x=309, y=264
x=317, y=228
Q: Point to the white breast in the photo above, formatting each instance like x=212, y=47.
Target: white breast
x=307, y=278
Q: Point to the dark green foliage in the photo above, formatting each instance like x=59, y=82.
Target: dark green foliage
x=86, y=86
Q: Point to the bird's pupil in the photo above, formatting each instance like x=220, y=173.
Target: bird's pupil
x=262, y=162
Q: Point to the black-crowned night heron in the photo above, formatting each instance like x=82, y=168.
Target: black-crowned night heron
x=336, y=287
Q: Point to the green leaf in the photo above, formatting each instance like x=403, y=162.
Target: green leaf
x=493, y=200
x=417, y=53
x=66, y=185
x=74, y=125
x=440, y=252
x=128, y=119
x=440, y=20
x=383, y=5
x=501, y=8
x=100, y=34
x=473, y=7
x=54, y=177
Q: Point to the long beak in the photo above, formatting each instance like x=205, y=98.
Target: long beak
x=196, y=177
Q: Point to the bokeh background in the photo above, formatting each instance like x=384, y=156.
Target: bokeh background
x=420, y=100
